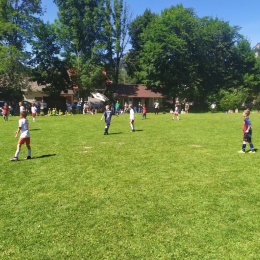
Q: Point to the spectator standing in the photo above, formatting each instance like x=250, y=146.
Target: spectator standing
x=187, y=106
x=156, y=106
x=139, y=107
x=117, y=107
x=213, y=107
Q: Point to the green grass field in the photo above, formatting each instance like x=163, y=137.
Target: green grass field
x=170, y=190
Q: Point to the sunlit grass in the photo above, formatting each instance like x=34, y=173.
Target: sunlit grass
x=171, y=190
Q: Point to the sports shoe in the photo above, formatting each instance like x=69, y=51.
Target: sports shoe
x=15, y=159
x=28, y=157
x=241, y=151
x=251, y=152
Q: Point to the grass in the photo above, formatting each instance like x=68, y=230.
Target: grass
x=171, y=190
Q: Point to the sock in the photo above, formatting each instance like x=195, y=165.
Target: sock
x=29, y=152
x=243, y=147
x=17, y=153
x=252, y=147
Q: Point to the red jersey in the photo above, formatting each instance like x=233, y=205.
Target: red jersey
x=5, y=110
x=144, y=110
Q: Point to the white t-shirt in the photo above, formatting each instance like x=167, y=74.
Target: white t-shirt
x=34, y=110
x=24, y=125
x=22, y=108
x=132, y=114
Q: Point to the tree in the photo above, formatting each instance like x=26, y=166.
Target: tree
x=17, y=20
x=79, y=27
x=193, y=58
x=232, y=99
x=48, y=67
x=165, y=58
x=136, y=28
x=117, y=20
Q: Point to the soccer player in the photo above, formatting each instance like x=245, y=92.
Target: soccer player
x=34, y=111
x=132, y=118
x=108, y=115
x=24, y=137
x=5, y=112
x=176, y=112
x=247, y=132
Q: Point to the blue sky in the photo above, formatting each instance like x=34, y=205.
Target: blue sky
x=243, y=13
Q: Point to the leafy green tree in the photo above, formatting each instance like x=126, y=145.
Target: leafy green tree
x=79, y=28
x=233, y=98
x=116, y=23
x=17, y=20
x=165, y=59
x=48, y=67
x=136, y=28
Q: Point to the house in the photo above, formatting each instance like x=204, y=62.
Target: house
x=134, y=93
x=256, y=49
x=35, y=94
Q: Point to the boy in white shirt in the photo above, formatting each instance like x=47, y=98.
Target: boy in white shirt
x=24, y=137
x=132, y=118
x=34, y=111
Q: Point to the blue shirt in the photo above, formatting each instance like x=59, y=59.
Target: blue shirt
x=108, y=114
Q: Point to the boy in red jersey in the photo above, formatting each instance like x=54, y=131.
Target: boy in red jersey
x=5, y=112
x=24, y=137
x=144, y=112
x=247, y=133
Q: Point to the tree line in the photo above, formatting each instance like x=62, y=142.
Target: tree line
x=94, y=44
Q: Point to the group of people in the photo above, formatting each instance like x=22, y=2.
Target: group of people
x=23, y=126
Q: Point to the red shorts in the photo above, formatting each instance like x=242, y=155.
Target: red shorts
x=176, y=114
x=33, y=114
x=24, y=140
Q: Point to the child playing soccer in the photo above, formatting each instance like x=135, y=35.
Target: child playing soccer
x=247, y=133
x=176, y=112
x=132, y=118
x=5, y=112
x=108, y=115
x=144, y=112
x=24, y=137
x=34, y=111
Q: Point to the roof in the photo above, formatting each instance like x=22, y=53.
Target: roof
x=135, y=91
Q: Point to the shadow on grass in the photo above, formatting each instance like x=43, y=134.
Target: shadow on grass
x=36, y=129
x=115, y=133
x=43, y=156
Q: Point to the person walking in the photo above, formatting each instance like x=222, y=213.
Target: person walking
x=23, y=128
x=144, y=112
x=132, y=118
x=5, y=112
x=108, y=116
x=247, y=133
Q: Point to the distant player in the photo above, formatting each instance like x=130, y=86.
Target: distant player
x=247, y=133
x=108, y=115
x=24, y=137
x=34, y=112
x=176, y=112
x=5, y=112
x=132, y=118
